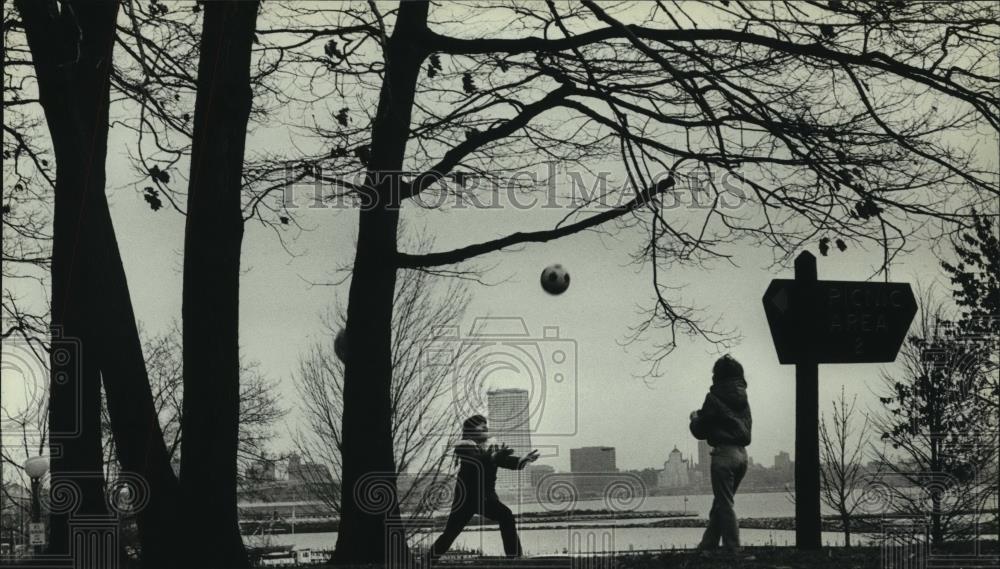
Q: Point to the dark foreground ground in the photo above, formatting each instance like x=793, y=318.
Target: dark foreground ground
x=966, y=556
x=979, y=555
x=969, y=556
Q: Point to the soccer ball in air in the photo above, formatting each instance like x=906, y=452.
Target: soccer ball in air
x=340, y=345
x=555, y=279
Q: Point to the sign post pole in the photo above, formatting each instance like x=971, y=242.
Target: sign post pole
x=817, y=322
x=807, y=474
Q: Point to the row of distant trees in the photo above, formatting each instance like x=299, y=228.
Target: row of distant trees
x=934, y=441
x=811, y=106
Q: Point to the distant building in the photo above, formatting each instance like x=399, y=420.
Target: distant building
x=592, y=459
x=704, y=459
x=508, y=416
x=305, y=472
x=277, y=495
x=263, y=471
x=783, y=462
x=676, y=471
x=590, y=467
x=698, y=479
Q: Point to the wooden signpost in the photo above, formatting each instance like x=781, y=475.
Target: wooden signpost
x=814, y=322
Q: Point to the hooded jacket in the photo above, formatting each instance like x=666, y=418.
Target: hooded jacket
x=477, y=472
x=724, y=418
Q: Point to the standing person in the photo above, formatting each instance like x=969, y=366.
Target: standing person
x=724, y=420
x=475, y=489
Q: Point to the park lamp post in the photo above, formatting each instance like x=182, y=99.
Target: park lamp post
x=36, y=467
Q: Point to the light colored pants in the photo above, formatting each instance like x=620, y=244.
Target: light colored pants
x=729, y=465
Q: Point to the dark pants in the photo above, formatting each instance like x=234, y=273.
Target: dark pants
x=729, y=465
x=493, y=509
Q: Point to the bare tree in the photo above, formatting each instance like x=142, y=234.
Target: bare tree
x=260, y=409
x=423, y=421
x=28, y=180
x=70, y=50
x=843, y=449
x=213, y=240
x=64, y=60
x=55, y=31
x=941, y=458
x=25, y=434
x=153, y=62
x=260, y=404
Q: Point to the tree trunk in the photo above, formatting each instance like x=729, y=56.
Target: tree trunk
x=846, y=520
x=84, y=216
x=71, y=49
x=212, y=240
x=135, y=426
x=368, y=491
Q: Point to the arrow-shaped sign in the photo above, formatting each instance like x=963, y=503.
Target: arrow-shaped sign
x=838, y=321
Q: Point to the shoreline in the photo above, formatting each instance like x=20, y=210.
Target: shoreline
x=527, y=522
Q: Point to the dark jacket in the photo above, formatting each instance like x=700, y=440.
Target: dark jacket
x=477, y=472
x=724, y=418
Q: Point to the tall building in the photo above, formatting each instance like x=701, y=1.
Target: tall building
x=704, y=459
x=592, y=459
x=675, y=471
x=508, y=417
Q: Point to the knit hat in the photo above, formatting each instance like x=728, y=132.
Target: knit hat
x=726, y=368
